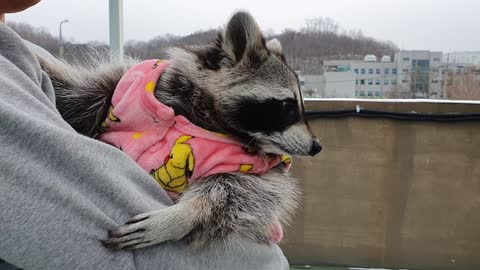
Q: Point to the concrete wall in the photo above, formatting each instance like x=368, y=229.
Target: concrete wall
x=388, y=193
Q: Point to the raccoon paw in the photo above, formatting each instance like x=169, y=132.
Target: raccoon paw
x=149, y=229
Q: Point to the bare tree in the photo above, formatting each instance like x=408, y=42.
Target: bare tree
x=320, y=25
x=464, y=85
x=399, y=91
x=319, y=40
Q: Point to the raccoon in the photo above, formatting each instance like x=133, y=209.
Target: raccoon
x=239, y=85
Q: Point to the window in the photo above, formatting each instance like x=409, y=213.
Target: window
x=394, y=71
x=356, y=82
x=394, y=82
x=370, y=81
x=386, y=82
x=404, y=81
x=356, y=71
x=436, y=59
x=377, y=81
x=405, y=70
x=406, y=59
x=378, y=71
x=370, y=71
x=362, y=82
x=377, y=93
x=363, y=71
x=362, y=93
x=302, y=83
x=387, y=71
x=434, y=81
x=370, y=94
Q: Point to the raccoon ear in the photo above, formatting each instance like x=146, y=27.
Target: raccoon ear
x=242, y=35
x=275, y=47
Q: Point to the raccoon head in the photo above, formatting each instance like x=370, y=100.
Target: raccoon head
x=255, y=95
x=263, y=99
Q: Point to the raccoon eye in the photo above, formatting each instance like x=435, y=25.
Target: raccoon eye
x=288, y=106
x=266, y=116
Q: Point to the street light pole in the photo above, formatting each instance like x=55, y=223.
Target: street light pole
x=60, y=39
x=116, y=29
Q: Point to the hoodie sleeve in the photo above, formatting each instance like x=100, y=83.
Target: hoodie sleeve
x=60, y=192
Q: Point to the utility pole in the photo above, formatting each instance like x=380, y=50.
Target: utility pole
x=445, y=78
x=116, y=29
x=60, y=40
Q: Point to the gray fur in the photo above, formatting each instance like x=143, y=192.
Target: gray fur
x=243, y=205
x=220, y=208
x=206, y=84
x=83, y=94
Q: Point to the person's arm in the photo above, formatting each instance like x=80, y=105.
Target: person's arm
x=60, y=192
x=13, y=6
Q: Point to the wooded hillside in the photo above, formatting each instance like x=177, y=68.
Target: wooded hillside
x=305, y=49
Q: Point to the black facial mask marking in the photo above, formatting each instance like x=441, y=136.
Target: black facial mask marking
x=266, y=116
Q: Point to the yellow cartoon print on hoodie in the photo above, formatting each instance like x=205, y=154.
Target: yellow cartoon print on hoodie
x=111, y=117
x=178, y=166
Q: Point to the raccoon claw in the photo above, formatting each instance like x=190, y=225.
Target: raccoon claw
x=128, y=236
x=124, y=243
x=121, y=238
x=144, y=230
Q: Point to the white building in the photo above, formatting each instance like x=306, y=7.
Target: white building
x=313, y=85
x=466, y=58
x=329, y=85
x=372, y=77
x=339, y=84
x=417, y=72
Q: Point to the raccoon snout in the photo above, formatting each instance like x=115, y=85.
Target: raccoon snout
x=315, y=148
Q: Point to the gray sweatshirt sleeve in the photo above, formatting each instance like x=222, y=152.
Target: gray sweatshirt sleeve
x=60, y=192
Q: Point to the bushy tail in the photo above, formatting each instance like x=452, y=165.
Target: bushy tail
x=83, y=93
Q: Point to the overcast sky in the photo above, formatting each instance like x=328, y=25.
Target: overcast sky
x=411, y=24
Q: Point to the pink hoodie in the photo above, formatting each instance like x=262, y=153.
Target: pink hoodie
x=172, y=149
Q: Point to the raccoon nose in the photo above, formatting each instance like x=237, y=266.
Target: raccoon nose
x=316, y=147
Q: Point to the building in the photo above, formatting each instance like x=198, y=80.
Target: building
x=329, y=85
x=421, y=73
x=372, y=77
x=313, y=85
x=415, y=73
x=465, y=58
x=339, y=84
